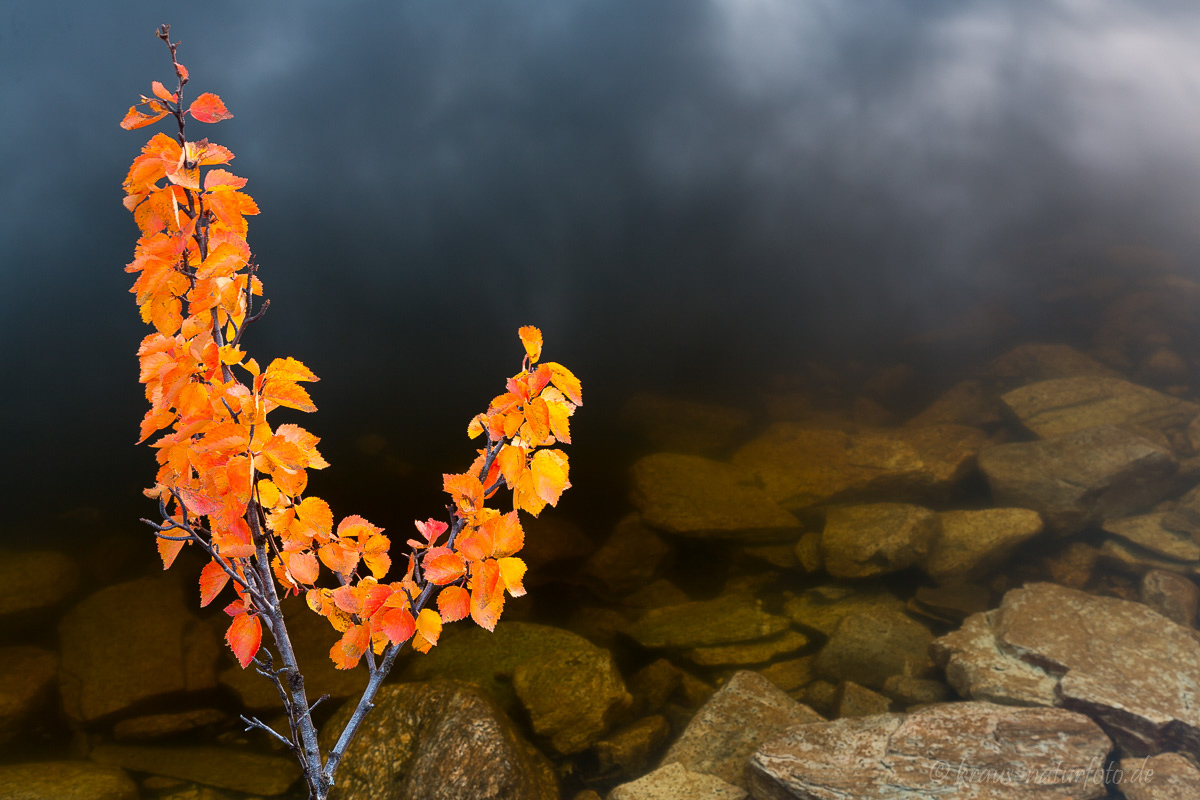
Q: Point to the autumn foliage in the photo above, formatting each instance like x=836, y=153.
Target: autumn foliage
x=233, y=483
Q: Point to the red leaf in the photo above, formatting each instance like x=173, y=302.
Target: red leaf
x=244, y=636
x=397, y=624
x=208, y=108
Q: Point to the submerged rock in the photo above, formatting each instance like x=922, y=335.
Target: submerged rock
x=131, y=642
x=572, y=698
x=1032, y=363
x=1150, y=532
x=65, y=780
x=33, y=584
x=1121, y=663
x=865, y=541
x=27, y=677
x=488, y=659
x=973, y=543
x=746, y=712
x=674, y=782
x=697, y=497
x=870, y=647
x=801, y=466
x=705, y=623
x=823, y=608
x=629, y=557
x=1066, y=405
x=1081, y=478
x=442, y=740
x=1172, y=595
x=1169, y=776
x=224, y=767
x=969, y=751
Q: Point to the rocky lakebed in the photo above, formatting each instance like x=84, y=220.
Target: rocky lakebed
x=840, y=594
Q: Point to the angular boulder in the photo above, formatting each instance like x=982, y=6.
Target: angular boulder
x=745, y=713
x=704, y=623
x=1081, y=478
x=968, y=751
x=1123, y=664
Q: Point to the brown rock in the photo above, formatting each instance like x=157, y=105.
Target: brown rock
x=33, y=584
x=674, y=782
x=442, y=740
x=969, y=751
x=1066, y=405
x=1032, y=363
x=704, y=623
x=866, y=541
x=744, y=713
x=693, y=496
x=973, y=543
x=572, y=698
x=226, y=768
x=1117, y=661
x=801, y=467
x=1169, y=776
x=131, y=642
x=27, y=678
x=628, y=751
x=628, y=559
x=870, y=647
x=1172, y=595
x=1081, y=478
x=1149, y=532
x=859, y=701
x=65, y=780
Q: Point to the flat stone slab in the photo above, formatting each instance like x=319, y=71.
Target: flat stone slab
x=1151, y=532
x=237, y=769
x=1065, y=405
x=967, y=751
x=697, y=497
x=801, y=467
x=1081, y=478
x=65, y=780
x=704, y=623
x=1129, y=668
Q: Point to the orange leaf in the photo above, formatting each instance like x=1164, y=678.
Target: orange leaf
x=349, y=649
x=135, y=119
x=431, y=530
x=197, y=503
x=303, y=566
x=549, y=469
x=429, y=628
x=219, y=179
x=444, y=568
x=161, y=92
x=537, y=416
x=338, y=557
x=168, y=550
x=487, y=596
x=566, y=382
x=244, y=636
x=507, y=535
x=466, y=490
x=454, y=603
x=512, y=463
x=212, y=580
x=531, y=337
x=208, y=108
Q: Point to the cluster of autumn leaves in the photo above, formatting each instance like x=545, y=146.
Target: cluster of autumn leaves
x=221, y=460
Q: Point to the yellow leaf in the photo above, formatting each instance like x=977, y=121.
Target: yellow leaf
x=531, y=337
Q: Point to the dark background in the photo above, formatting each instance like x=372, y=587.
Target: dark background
x=687, y=196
